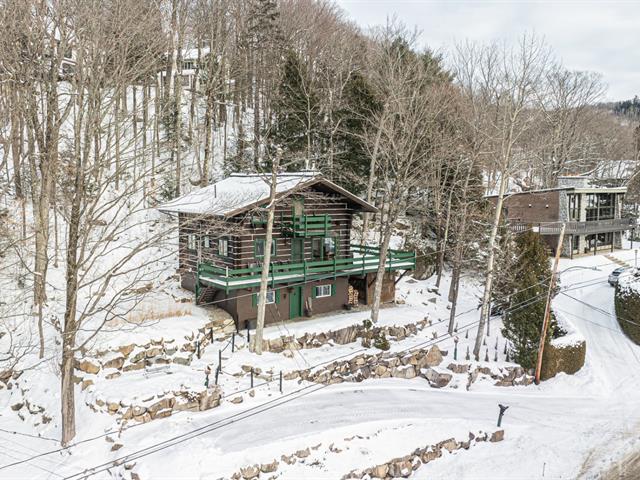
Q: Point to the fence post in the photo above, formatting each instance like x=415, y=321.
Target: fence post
x=198, y=348
x=251, y=377
x=217, y=374
x=248, y=334
x=233, y=342
x=220, y=359
x=280, y=381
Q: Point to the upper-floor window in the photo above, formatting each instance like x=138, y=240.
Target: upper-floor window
x=223, y=247
x=323, y=248
x=192, y=241
x=259, y=247
x=574, y=207
x=600, y=206
x=329, y=248
x=206, y=241
x=298, y=207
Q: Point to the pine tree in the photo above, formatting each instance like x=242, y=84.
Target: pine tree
x=523, y=321
x=297, y=112
x=352, y=161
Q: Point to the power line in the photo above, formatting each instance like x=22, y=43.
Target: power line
x=255, y=410
x=513, y=308
x=216, y=425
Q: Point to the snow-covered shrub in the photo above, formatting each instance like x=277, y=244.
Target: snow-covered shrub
x=627, y=304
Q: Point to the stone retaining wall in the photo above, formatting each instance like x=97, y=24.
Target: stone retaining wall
x=130, y=357
x=403, y=467
x=161, y=405
x=395, y=468
x=424, y=363
x=341, y=336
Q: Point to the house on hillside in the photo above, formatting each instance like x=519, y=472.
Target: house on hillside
x=314, y=266
x=188, y=64
x=592, y=214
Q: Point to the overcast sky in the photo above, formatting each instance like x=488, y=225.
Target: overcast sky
x=602, y=36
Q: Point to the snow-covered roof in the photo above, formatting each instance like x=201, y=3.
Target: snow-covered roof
x=240, y=192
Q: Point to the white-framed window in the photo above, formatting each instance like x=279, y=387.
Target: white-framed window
x=270, y=297
x=323, y=291
x=206, y=241
x=223, y=247
x=191, y=241
x=259, y=248
x=329, y=248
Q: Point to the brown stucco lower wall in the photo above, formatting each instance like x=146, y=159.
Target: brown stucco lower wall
x=188, y=281
x=239, y=303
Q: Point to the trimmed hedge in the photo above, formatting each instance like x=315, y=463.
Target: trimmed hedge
x=563, y=358
x=627, y=302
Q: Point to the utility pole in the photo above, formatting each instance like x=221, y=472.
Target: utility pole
x=547, y=310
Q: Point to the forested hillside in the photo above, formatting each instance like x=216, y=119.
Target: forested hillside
x=108, y=108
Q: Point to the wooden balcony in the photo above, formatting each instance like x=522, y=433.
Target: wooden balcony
x=576, y=228
x=309, y=226
x=364, y=259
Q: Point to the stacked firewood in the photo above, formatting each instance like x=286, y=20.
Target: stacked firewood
x=353, y=295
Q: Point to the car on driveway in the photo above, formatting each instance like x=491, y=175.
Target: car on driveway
x=613, y=276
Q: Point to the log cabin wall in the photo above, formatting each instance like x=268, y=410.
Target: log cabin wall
x=335, y=206
x=207, y=230
x=241, y=234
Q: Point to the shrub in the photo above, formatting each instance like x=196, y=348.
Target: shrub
x=528, y=284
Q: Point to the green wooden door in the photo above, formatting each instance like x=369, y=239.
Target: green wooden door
x=297, y=250
x=295, y=302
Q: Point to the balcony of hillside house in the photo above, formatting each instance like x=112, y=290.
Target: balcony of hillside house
x=364, y=259
x=576, y=228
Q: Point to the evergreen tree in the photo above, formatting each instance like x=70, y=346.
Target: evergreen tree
x=530, y=279
x=352, y=161
x=297, y=112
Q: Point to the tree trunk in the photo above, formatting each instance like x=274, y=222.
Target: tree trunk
x=455, y=285
x=177, y=134
x=208, y=113
x=486, y=297
x=16, y=144
x=386, y=230
x=445, y=239
x=264, y=278
x=117, y=138
x=68, y=409
x=370, y=184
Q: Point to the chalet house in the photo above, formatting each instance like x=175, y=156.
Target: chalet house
x=314, y=266
x=592, y=214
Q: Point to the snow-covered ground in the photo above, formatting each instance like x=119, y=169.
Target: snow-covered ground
x=568, y=427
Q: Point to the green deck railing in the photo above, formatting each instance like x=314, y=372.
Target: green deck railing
x=365, y=259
